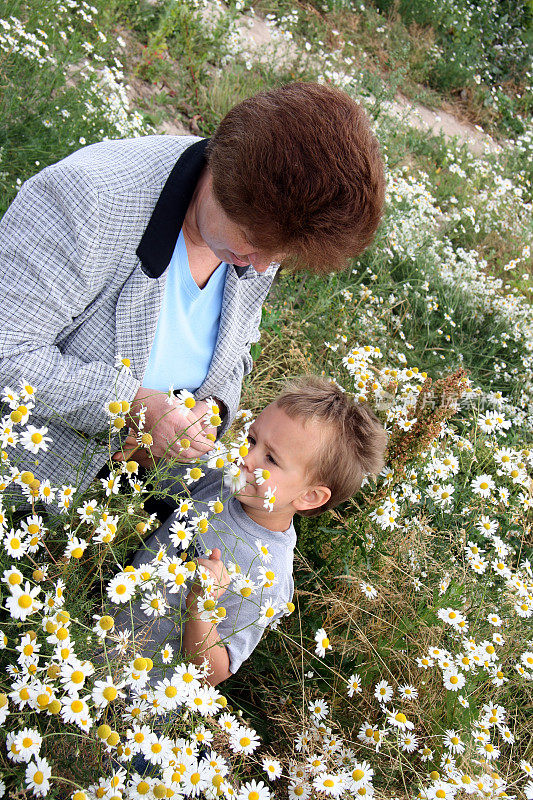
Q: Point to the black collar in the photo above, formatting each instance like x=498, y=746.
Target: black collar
x=159, y=239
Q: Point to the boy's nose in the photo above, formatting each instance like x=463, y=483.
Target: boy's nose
x=248, y=462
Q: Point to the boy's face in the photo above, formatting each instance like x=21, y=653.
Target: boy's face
x=286, y=448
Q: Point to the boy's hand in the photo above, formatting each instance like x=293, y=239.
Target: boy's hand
x=221, y=576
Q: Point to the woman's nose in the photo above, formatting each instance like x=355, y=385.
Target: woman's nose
x=258, y=262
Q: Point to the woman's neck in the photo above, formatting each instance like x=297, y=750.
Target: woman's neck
x=202, y=261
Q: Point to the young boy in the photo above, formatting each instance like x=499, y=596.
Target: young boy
x=306, y=452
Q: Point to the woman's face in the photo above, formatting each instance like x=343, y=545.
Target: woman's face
x=223, y=237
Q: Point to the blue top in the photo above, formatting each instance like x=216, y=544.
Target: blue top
x=187, y=326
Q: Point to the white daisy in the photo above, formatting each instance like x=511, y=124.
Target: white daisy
x=272, y=767
x=38, y=775
x=322, y=642
x=383, y=691
x=354, y=685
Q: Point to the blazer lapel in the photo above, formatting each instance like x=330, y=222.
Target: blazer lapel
x=159, y=239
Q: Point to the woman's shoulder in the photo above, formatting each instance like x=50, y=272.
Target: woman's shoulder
x=118, y=164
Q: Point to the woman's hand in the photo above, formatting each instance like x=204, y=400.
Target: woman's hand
x=173, y=432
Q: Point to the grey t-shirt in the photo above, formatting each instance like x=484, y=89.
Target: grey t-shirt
x=235, y=534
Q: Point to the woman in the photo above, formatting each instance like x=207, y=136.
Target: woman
x=100, y=250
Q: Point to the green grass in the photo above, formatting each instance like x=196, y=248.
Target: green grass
x=50, y=106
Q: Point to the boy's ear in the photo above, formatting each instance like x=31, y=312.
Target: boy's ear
x=314, y=497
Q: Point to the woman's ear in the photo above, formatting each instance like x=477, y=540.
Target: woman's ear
x=314, y=497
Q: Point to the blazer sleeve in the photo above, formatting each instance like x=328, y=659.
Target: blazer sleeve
x=51, y=271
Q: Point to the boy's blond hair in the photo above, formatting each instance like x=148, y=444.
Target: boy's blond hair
x=352, y=443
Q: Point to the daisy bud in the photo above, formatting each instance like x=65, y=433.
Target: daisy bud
x=103, y=732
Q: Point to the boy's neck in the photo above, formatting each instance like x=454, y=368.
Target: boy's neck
x=277, y=522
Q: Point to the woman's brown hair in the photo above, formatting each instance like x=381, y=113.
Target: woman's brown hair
x=299, y=170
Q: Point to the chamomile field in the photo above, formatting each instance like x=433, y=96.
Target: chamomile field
x=403, y=666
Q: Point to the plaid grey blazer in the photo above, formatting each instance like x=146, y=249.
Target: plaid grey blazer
x=83, y=252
